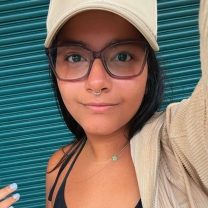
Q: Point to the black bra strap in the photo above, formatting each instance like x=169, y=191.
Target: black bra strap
x=62, y=168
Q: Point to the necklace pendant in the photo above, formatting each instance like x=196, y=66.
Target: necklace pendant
x=114, y=158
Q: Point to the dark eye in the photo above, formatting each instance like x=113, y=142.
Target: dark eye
x=123, y=57
x=74, y=58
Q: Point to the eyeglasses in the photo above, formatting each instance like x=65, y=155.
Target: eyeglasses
x=121, y=60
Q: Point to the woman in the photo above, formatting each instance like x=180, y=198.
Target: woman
x=108, y=85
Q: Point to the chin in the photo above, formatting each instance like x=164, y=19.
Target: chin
x=102, y=131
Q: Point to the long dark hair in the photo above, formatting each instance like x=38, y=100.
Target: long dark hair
x=150, y=104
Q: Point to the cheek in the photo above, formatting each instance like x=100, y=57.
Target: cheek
x=132, y=94
x=69, y=93
x=134, y=89
x=133, y=98
x=135, y=93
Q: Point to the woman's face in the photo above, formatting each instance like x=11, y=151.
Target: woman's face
x=106, y=114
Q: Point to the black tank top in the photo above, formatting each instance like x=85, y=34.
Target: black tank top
x=59, y=201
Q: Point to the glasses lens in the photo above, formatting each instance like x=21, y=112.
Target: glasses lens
x=70, y=62
x=125, y=59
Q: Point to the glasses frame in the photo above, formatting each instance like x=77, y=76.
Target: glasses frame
x=97, y=54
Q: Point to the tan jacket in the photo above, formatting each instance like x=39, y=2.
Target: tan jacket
x=170, y=154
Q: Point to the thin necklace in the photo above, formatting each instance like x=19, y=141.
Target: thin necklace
x=114, y=158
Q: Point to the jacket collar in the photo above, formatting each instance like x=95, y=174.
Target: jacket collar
x=145, y=152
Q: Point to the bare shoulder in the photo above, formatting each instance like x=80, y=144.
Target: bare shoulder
x=56, y=157
x=51, y=173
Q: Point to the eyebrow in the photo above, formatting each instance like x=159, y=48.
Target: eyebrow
x=69, y=41
x=84, y=44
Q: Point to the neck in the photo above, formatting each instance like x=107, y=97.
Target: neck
x=103, y=148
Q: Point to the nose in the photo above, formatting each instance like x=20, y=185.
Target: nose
x=98, y=79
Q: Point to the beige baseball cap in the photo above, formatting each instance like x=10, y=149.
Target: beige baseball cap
x=142, y=14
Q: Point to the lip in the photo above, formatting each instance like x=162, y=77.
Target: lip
x=99, y=107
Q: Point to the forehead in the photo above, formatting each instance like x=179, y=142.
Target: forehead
x=98, y=26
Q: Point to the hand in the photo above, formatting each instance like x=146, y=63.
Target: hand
x=4, y=192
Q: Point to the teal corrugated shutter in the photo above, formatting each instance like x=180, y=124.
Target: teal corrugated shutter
x=30, y=126
x=178, y=38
